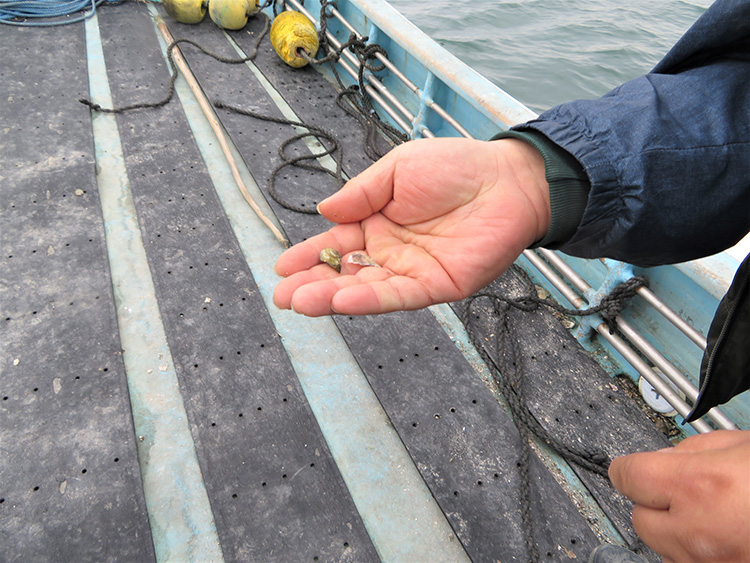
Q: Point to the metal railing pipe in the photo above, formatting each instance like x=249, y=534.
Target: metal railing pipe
x=644, y=292
x=565, y=269
x=557, y=282
x=659, y=385
x=686, y=328
x=376, y=97
x=393, y=69
x=668, y=369
x=405, y=80
x=374, y=83
x=671, y=372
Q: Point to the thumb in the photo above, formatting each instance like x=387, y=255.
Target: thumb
x=365, y=194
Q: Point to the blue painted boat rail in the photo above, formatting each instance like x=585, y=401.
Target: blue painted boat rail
x=427, y=92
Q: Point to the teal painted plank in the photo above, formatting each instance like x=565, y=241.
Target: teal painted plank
x=179, y=512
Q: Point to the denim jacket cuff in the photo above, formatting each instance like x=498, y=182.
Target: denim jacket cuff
x=568, y=186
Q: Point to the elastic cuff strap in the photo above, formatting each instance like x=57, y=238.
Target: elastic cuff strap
x=568, y=186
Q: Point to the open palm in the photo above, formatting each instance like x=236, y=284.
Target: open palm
x=442, y=217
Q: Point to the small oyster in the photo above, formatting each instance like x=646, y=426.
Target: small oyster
x=332, y=257
x=361, y=259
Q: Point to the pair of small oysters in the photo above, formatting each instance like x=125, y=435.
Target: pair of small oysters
x=332, y=257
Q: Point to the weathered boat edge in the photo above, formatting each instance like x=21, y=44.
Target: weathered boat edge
x=492, y=110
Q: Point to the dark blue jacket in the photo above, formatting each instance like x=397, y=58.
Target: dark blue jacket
x=660, y=173
x=667, y=154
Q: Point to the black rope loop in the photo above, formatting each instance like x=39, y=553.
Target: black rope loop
x=367, y=53
x=276, y=10
x=353, y=99
x=300, y=161
x=612, y=304
x=323, y=6
x=506, y=368
x=507, y=372
x=173, y=72
x=609, y=308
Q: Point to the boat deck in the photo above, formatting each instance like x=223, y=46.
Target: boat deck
x=156, y=405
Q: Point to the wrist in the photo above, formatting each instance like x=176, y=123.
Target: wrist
x=523, y=167
x=567, y=186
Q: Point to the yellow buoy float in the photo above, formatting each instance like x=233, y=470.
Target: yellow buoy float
x=291, y=34
x=231, y=14
x=186, y=11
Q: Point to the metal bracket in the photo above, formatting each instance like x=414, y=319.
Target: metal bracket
x=425, y=100
x=617, y=272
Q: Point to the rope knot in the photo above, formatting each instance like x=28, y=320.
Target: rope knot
x=92, y=105
x=324, y=4
x=612, y=304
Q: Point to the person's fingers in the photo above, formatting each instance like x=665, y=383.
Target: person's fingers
x=645, y=478
x=315, y=299
x=688, y=532
x=661, y=532
x=397, y=293
x=650, y=478
x=718, y=439
x=306, y=254
x=282, y=295
x=691, y=500
x=360, y=294
x=363, y=195
x=318, y=290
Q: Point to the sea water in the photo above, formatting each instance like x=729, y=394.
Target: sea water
x=544, y=52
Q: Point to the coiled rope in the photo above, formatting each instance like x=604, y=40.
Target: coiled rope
x=173, y=74
x=358, y=106
x=507, y=371
x=361, y=107
x=302, y=161
x=43, y=13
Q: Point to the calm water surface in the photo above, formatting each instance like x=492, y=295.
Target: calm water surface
x=544, y=52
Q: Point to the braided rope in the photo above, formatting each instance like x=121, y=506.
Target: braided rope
x=359, y=105
x=45, y=13
x=173, y=73
x=336, y=152
x=507, y=373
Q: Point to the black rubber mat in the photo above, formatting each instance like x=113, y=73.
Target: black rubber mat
x=274, y=488
x=464, y=443
x=70, y=486
x=570, y=394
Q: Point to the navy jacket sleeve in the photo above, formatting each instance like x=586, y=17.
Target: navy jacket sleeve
x=667, y=154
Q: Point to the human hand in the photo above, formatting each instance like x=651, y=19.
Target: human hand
x=692, y=502
x=442, y=217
